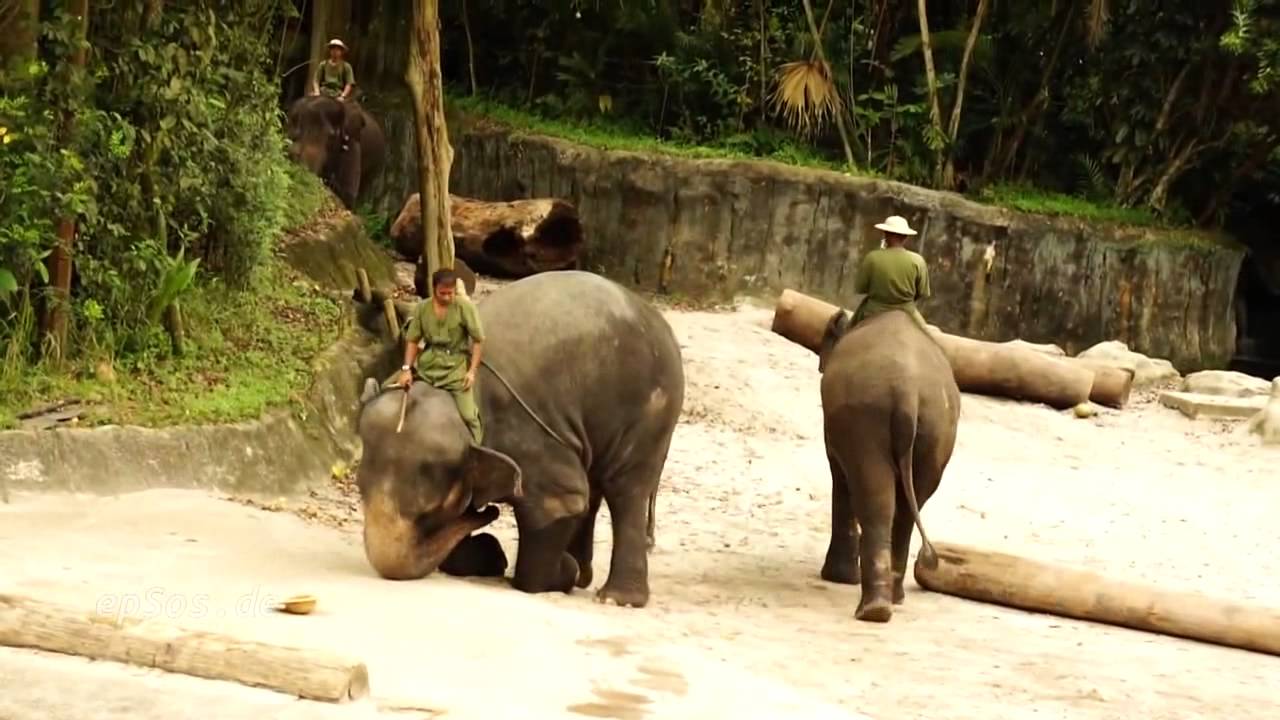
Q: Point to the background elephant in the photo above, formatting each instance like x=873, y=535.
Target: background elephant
x=338, y=141
x=589, y=386
x=890, y=408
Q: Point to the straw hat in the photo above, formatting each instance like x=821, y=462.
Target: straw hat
x=897, y=225
x=338, y=43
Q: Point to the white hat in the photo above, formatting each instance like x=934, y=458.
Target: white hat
x=897, y=225
x=338, y=43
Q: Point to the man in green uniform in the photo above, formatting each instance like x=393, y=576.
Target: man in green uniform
x=334, y=77
x=892, y=277
x=442, y=328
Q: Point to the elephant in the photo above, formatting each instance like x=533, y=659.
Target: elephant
x=891, y=408
x=580, y=387
x=337, y=140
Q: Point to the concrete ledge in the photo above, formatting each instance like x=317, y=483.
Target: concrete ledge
x=280, y=453
x=1196, y=406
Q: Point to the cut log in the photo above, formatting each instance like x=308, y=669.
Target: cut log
x=984, y=368
x=29, y=623
x=1002, y=579
x=511, y=239
x=1111, y=385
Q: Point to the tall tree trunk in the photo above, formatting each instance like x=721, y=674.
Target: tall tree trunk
x=471, y=48
x=61, y=258
x=953, y=129
x=840, y=110
x=319, y=21
x=435, y=155
x=931, y=77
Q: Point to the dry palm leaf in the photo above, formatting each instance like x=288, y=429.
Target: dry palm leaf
x=805, y=94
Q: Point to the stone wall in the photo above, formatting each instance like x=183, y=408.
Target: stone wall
x=714, y=228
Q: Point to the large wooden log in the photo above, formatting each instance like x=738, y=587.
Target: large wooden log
x=985, y=368
x=512, y=239
x=1002, y=579
x=29, y=623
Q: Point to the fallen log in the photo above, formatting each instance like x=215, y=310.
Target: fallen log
x=980, y=367
x=512, y=239
x=1002, y=579
x=29, y=623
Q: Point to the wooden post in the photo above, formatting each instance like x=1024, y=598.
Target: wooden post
x=994, y=577
x=435, y=154
x=366, y=292
x=393, y=322
x=28, y=623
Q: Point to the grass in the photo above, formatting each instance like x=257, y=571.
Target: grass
x=780, y=147
x=247, y=351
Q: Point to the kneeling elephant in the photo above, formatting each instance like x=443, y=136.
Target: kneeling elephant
x=579, y=390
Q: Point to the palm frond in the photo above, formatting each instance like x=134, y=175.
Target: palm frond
x=1099, y=11
x=805, y=93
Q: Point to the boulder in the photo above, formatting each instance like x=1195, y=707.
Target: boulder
x=1146, y=371
x=1227, y=383
x=1266, y=423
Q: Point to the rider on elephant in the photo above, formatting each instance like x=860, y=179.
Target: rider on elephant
x=442, y=328
x=335, y=78
x=892, y=277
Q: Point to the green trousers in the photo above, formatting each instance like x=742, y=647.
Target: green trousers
x=449, y=376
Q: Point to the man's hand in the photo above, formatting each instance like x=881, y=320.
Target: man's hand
x=469, y=379
x=405, y=379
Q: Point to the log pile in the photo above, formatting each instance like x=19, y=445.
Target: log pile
x=1010, y=370
x=510, y=239
x=29, y=623
x=1002, y=579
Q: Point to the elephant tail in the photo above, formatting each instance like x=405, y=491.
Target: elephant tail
x=903, y=429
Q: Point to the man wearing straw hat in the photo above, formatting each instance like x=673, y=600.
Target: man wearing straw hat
x=892, y=277
x=334, y=77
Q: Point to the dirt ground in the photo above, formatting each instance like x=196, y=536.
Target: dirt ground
x=739, y=623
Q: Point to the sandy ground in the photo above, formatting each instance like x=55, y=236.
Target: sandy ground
x=739, y=623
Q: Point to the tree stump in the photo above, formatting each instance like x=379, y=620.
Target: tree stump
x=1002, y=579
x=509, y=239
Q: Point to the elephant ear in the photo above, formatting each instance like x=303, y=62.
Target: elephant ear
x=489, y=476
x=371, y=389
x=352, y=120
x=836, y=327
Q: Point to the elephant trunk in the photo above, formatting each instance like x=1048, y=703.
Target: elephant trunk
x=397, y=549
x=310, y=155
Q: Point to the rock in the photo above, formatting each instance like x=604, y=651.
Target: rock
x=1046, y=348
x=1085, y=410
x=1267, y=422
x=1146, y=371
x=1214, y=406
x=1227, y=383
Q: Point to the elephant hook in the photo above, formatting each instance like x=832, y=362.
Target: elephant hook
x=404, y=405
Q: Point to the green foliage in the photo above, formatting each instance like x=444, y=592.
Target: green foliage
x=166, y=150
x=1079, y=103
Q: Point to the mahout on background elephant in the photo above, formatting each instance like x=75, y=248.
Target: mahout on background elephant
x=891, y=408
x=337, y=140
x=589, y=385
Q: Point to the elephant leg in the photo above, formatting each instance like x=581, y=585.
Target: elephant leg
x=841, y=565
x=873, y=492
x=903, y=525
x=542, y=563
x=651, y=538
x=628, y=497
x=583, y=545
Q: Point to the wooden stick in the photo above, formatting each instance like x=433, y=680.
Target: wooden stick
x=366, y=291
x=29, y=623
x=994, y=577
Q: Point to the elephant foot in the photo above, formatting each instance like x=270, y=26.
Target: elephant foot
x=476, y=556
x=562, y=581
x=569, y=574
x=585, y=575
x=877, y=611
x=844, y=572
x=636, y=597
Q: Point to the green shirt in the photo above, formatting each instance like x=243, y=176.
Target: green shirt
x=443, y=362
x=333, y=78
x=892, y=277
